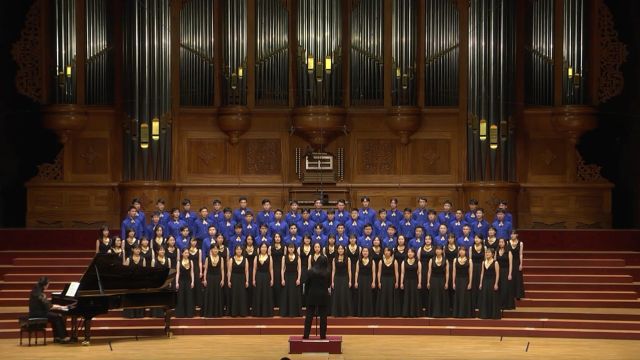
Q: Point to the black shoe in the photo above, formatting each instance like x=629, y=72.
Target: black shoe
x=305, y=337
x=65, y=340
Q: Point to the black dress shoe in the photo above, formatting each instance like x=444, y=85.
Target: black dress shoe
x=62, y=340
x=305, y=337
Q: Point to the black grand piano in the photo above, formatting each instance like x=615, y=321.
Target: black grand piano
x=107, y=284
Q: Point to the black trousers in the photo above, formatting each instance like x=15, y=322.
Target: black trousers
x=58, y=324
x=321, y=310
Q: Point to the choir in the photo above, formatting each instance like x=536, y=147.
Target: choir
x=388, y=263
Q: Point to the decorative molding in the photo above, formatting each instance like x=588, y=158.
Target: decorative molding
x=26, y=53
x=588, y=172
x=52, y=171
x=541, y=225
x=595, y=225
x=431, y=156
x=377, y=157
x=548, y=156
x=613, y=53
x=262, y=157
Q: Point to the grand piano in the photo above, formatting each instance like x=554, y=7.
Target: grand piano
x=107, y=284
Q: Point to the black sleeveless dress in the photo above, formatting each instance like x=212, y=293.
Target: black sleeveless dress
x=120, y=254
x=238, y=295
x=213, y=305
x=135, y=313
x=489, y=303
x=438, y=299
x=104, y=248
x=353, y=256
x=450, y=255
x=263, y=293
x=224, y=254
x=425, y=256
x=156, y=245
x=493, y=245
x=304, y=268
x=291, y=302
x=376, y=257
x=276, y=257
x=400, y=257
x=159, y=312
x=128, y=248
x=365, y=292
x=505, y=286
x=386, y=295
x=147, y=255
x=477, y=259
x=516, y=274
x=462, y=296
x=412, y=304
x=185, y=306
x=173, y=256
x=197, y=283
x=250, y=257
x=341, y=305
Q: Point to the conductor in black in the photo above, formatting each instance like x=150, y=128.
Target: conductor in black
x=318, y=285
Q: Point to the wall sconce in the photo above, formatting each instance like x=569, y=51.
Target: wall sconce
x=493, y=136
x=144, y=136
x=310, y=63
x=155, y=129
x=483, y=130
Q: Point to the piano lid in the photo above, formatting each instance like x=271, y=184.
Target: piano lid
x=115, y=276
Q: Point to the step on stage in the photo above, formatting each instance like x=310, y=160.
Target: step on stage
x=331, y=345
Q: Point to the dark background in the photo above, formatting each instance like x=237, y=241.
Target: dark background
x=614, y=145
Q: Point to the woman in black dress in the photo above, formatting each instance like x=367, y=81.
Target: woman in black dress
x=341, y=284
x=462, y=274
x=477, y=257
x=158, y=238
x=135, y=261
x=185, y=306
x=250, y=253
x=195, y=255
x=316, y=254
x=263, y=283
x=489, y=303
x=117, y=249
x=330, y=249
x=352, y=251
x=376, y=254
x=171, y=251
x=450, y=253
x=365, y=283
x=223, y=252
x=276, y=250
x=425, y=254
x=103, y=244
x=130, y=242
x=304, y=251
x=516, y=247
x=399, y=254
x=387, y=283
x=145, y=250
x=160, y=261
x=437, y=282
x=491, y=241
x=238, y=280
x=410, y=282
x=505, y=285
x=213, y=305
x=290, y=273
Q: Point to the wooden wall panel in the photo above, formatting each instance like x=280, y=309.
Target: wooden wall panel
x=430, y=157
x=261, y=157
x=206, y=156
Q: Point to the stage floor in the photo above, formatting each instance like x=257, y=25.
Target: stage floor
x=354, y=348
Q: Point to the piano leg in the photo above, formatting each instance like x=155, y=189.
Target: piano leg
x=74, y=328
x=87, y=331
x=168, y=313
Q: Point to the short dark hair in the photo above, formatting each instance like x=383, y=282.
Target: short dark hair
x=186, y=202
x=473, y=202
x=135, y=201
x=447, y=202
x=160, y=201
x=242, y=198
x=264, y=201
x=216, y=201
x=365, y=198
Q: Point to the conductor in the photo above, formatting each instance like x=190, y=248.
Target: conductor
x=317, y=285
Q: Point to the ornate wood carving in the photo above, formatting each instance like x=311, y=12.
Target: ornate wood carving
x=613, y=53
x=52, y=171
x=319, y=125
x=430, y=157
x=206, y=156
x=547, y=157
x=262, y=157
x=90, y=156
x=26, y=53
x=404, y=121
x=234, y=121
x=376, y=157
x=64, y=120
x=588, y=172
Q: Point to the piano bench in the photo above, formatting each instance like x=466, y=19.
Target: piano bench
x=33, y=326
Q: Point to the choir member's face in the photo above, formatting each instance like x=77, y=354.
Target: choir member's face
x=186, y=207
x=105, y=232
x=266, y=206
x=156, y=219
x=318, y=204
x=248, y=219
x=500, y=216
x=393, y=204
x=132, y=212
x=294, y=207
x=443, y=229
x=185, y=254
x=391, y=231
x=422, y=203
x=376, y=241
x=427, y=240
x=354, y=215
x=220, y=240
x=212, y=231
x=492, y=232
x=368, y=230
x=340, y=229
x=204, y=213
x=161, y=251
x=488, y=255
x=458, y=215
x=243, y=204
x=227, y=215
x=160, y=206
x=466, y=231
x=293, y=230
x=407, y=215
x=341, y=206
x=137, y=205
x=317, y=248
x=432, y=217
x=331, y=216
x=217, y=206
x=305, y=215
x=383, y=216
x=419, y=232
x=278, y=215
x=411, y=254
x=214, y=251
x=479, y=214
x=447, y=207
x=365, y=253
x=184, y=232
x=263, y=230
x=175, y=214
x=117, y=242
x=365, y=203
x=171, y=241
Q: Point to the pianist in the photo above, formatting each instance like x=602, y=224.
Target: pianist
x=40, y=307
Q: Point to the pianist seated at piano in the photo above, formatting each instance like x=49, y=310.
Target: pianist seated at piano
x=40, y=307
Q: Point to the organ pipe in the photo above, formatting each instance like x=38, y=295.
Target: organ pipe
x=234, y=49
x=196, y=53
x=539, y=53
x=367, y=71
x=319, y=30
x=441, y=52
x=403, y=44
x=147, y=86
x=64, y=72
x=272, y=52
x=573, y=52
x=490, y=91
x=99, y=43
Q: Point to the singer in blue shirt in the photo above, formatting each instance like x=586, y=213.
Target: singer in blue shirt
x=341, y=215
x=480, y=226
x=279, y=225
x=446, y=216
x=420, y=213
x=394, y=215
x=239, y=213
x=131, y=222
x=407, y=226
x=265, y=216
x=318, y=215
x=366, y=214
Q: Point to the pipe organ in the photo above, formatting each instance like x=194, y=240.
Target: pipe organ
x=201, y=94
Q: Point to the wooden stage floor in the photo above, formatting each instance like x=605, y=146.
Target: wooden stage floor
x=354, y=348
